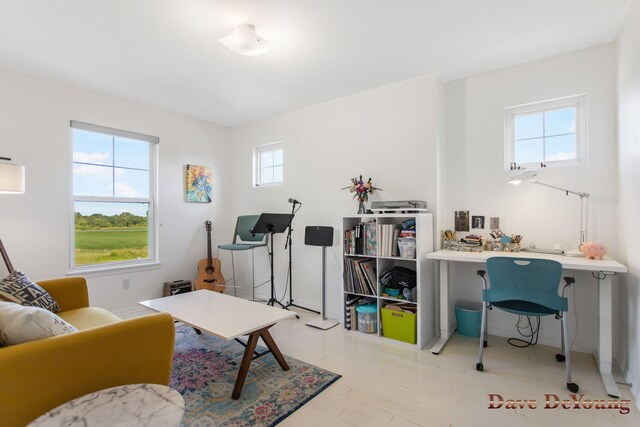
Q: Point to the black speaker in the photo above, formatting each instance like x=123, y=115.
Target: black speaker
x=317, y=235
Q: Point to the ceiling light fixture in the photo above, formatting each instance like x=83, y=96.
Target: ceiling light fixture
x=245, y=41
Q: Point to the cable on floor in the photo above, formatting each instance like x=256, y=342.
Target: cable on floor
x=533, y=336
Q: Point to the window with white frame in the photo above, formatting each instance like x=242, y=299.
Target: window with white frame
x=113, y=174
x=547, y=133
x=268, y=163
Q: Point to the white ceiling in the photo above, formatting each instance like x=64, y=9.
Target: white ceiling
x=165, y=52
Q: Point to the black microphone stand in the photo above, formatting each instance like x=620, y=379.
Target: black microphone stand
x=289, y=243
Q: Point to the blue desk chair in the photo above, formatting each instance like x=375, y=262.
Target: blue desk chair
x=248, y=241
x=528, y=287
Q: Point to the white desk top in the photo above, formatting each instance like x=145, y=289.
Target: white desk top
x=224, y=316
x=569, y=263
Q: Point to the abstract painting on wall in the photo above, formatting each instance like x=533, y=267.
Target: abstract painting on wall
x=199, y=183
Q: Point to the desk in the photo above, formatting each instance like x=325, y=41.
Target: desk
x=606, y=269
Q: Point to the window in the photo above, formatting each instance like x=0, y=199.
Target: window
x=113, y=197
x=548, y=133
x=268, y=165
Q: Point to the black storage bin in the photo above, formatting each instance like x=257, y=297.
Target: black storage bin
x=402, y=277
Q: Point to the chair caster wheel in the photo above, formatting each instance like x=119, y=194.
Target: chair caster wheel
x=480, y=367
x=560, y=357
x=573, y=387
x=484, y=344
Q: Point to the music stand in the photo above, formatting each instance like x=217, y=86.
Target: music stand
x=272, y=223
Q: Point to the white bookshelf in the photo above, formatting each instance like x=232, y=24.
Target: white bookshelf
x=425, y=298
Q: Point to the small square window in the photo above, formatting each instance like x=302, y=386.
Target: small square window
x=549, y=133
x=268, y=165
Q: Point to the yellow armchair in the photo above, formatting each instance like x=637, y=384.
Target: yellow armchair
x=37, y=376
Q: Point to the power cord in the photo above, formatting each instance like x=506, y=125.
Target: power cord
x=533, y=336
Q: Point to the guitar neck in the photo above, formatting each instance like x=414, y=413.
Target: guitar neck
x=209, y=256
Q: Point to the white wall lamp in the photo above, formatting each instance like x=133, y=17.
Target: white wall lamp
x=11, y=177
x=529, y=175
x=245, y=41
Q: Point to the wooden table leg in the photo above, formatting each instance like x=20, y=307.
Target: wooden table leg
x=271, y=344
x=246, y=362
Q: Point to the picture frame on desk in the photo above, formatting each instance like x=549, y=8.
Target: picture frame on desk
x=461, y=220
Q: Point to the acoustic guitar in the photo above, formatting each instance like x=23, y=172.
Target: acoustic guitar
x=209, y=272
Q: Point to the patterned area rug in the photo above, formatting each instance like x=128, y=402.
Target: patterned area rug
x=204, y=372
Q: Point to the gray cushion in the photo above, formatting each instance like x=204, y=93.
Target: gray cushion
x=19, y=289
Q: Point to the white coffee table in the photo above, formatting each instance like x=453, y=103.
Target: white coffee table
x=227, y=317
x=150, y=405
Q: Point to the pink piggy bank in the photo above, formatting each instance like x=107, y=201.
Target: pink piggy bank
x=593, y=250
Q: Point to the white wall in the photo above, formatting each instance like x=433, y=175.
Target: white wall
x=477, y=181
x=34, y=131
x=390, y=134
x=628, y=352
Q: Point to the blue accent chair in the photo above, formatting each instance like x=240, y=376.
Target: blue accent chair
x=527, y=287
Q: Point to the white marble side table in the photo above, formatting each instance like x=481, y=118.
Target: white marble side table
x=122, y=406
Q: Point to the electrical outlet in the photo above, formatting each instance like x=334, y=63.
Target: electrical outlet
x=126, y=284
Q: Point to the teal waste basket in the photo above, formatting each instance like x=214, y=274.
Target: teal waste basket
x=469, y=318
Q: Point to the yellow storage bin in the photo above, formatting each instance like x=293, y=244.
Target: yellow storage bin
x=399, y=325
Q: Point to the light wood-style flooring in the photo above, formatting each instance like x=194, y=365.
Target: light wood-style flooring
x=386, y=385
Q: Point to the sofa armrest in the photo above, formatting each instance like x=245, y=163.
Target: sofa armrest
x=69, y=292
x=36, y=377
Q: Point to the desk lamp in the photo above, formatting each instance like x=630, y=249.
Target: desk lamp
x=529, y=175
x=11, y=182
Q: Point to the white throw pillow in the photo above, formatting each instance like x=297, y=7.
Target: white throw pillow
x=19, y=324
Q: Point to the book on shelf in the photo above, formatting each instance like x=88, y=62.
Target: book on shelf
x=388, y=241
x=361, y=239
x=357, y=276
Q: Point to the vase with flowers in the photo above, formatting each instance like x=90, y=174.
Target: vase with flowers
x=361, y=190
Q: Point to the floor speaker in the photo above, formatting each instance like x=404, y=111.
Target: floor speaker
x=318, y=235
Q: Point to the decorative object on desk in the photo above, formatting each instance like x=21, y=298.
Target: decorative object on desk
x=362, y=190
x=448, y=238
x=496, y=234
x=204, y=371
x=199, y=183
x=461, y=220
x=529, y=175
x=593, y=250
x=516, y=239
x=469, y=243
x=507, y=243
x=477, y=222
x=494, y=222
